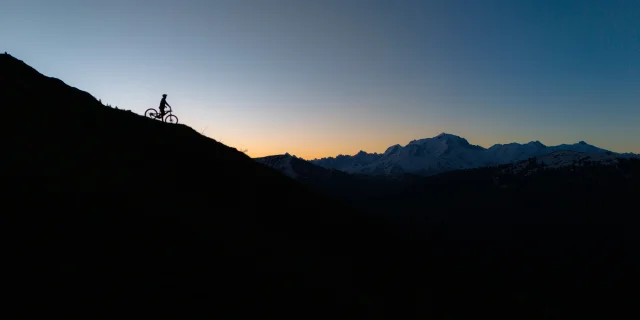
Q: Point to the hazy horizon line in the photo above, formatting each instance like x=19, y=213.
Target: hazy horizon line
x=404, y=145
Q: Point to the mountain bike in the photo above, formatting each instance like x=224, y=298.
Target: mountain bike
x=168, y=116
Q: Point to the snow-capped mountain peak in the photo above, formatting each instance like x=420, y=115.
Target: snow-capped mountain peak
x=393, y=149
x=281, y=162
x=537, y=144
x=445, y=135
x=580, y=147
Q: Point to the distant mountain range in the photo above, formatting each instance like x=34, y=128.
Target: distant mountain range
x=448, y=152
x=307, y=171
x=558, y=177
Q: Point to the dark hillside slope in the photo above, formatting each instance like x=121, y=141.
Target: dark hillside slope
x=115, y=208
x=359, y=191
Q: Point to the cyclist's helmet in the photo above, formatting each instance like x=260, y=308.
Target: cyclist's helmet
x=164, y=95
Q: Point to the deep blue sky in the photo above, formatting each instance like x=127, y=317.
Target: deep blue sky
x=319, y=78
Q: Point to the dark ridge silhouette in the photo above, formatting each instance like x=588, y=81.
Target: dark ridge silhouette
x=114, y=214
x=122, y=210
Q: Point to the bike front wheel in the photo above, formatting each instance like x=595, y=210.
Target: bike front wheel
x=151, y=113
x=170, y=118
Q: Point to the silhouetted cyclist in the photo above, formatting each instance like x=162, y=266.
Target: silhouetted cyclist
x=163, y=104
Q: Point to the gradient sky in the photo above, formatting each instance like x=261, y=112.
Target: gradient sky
x=321, y=78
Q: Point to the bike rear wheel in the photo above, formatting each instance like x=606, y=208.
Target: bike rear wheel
x=151, y=113
x=170, y=118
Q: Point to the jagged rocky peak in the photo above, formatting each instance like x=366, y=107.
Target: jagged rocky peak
x=445, y=135
x=452, y=138
x=288, y=155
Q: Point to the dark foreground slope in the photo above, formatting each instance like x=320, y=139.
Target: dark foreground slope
x=113, y=213
x=119, y=210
